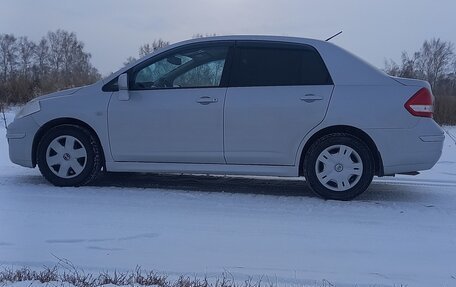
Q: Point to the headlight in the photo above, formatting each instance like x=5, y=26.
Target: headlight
x=29, y=108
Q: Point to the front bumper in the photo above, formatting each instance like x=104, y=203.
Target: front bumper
x=20, y=135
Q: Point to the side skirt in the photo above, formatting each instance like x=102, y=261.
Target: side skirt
x=260, y=170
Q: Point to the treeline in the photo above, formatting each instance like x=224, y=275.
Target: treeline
x=29, y=69
x=435, y=62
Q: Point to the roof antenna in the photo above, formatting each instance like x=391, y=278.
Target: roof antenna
x=335, y=35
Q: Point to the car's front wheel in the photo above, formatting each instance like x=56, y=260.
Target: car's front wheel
x=69, y=155
x=339, y=166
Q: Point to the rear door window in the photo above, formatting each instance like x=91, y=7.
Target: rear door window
x=268, y=64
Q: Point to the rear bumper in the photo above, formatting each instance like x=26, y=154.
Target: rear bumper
x=409, y=150
x=20, y=135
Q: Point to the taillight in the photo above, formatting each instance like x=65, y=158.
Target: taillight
x=421, y=104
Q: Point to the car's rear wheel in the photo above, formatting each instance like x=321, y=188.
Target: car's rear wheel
x=339, y=166
x=69, y=155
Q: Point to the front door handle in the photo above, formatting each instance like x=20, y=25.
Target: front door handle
x=206, y=100
x=310, y=98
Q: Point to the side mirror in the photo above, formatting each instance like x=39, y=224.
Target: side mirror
x=122, y=83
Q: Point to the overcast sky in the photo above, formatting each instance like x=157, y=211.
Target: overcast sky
x=113, y=30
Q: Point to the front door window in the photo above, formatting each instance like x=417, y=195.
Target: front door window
x=190, y=68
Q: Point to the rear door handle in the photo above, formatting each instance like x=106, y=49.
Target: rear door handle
x=310, y=98
x=206, y=100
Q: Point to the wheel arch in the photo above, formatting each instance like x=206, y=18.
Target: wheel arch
x=356, y=132
x=58, y=122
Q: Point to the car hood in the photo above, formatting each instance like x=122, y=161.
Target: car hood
x=59, y=94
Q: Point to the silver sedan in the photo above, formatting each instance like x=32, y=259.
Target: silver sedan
x=244, y=105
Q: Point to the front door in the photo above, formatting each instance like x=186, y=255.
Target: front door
x=174, y=113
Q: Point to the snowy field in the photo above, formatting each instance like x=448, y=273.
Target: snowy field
x=401, y=231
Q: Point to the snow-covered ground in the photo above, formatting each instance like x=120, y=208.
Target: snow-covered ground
x=401, y=231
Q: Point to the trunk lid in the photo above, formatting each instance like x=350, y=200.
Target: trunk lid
x=412, y=82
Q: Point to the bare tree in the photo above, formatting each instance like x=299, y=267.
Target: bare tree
x=69, y=64
x=408, y=68
x=146, y=49
x=42, y=56
x=435, y=62
x=55, y=56
x=56, y=62
x=432, y=63
x=41, y=69
x=129, y=60
x=154, y=46
x=435, y=59
x=8, y=54
x=453, y=70
x=26, y=51
x=8, y=64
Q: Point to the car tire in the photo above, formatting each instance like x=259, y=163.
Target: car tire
x=69, y=155
x=338, y=166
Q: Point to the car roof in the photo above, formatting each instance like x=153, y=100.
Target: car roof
x=336, y=59
x=253, y=38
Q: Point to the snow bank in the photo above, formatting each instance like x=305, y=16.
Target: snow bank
x=401, y=231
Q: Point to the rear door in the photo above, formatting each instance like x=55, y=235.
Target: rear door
x=277, y=93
